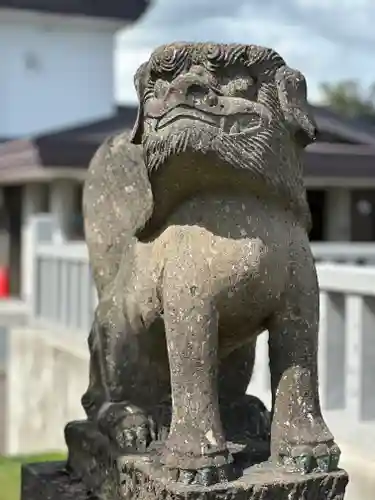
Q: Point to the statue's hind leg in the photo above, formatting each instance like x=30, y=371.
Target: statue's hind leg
x=113, y=396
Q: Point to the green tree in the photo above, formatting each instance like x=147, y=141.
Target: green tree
x=349, y=99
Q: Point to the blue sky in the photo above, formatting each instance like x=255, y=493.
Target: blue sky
x=328, y=40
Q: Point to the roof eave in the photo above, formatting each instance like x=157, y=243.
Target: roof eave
x=129, y=10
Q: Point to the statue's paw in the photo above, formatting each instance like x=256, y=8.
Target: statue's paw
x=197, y=460
x=192, y=457
x=307, y=444
x=127, y=426
x=207, y=476
x=323, y=457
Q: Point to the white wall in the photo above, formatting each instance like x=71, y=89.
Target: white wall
x=54, y=370
x=56, y=71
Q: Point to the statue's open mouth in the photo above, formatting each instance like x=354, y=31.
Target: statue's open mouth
x=231, y=124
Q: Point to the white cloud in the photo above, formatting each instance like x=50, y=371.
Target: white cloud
x=327, y=40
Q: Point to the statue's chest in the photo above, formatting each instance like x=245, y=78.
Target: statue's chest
x=247, y=279
x=246, y=265
x=227, y=268
x=235, y=260
x=236, y=249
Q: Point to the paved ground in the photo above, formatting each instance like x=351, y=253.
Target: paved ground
x=363, y=489
x=357, y=442
x=361, y=484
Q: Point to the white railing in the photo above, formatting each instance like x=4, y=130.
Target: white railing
x=347, y=339
x=345, y=252
x=346, y=342
x=63, y=295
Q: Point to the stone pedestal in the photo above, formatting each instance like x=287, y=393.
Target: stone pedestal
x=50, y=481
x=96, y=470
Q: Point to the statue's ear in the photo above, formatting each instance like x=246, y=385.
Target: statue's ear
x=139, y=83
x=292, y=90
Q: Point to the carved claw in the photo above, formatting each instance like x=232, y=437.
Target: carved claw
x=308, y=458
x=186, y=476
x=327, y=457
x=205, y=464
x=206, y=476
x=302, y=459
x=127, y=426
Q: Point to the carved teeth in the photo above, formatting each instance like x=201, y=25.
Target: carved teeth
x=246, y=123
x=235, y=128
x=242, y=124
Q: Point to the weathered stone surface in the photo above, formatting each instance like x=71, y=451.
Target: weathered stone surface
x=196, y=251
x=264, y=482
x=197, y=229
x=139, y=479
x=110, y=474
x=98, y=461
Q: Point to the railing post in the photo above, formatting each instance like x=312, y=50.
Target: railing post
x=360, y=357
x=41, y=227
x=74, y=294
x=64, y=284
x=332, y=351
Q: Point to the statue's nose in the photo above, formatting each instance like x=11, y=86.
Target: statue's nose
x=191, y=88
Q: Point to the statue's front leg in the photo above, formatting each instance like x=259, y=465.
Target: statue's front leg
x=113, y=344
x=300, y=437
x=196, y=446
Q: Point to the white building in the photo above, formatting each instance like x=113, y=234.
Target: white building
x=56, y=65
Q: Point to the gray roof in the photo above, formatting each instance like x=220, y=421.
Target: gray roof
x=128, y=10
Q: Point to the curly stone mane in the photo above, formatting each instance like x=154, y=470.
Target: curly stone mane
x=271, y=163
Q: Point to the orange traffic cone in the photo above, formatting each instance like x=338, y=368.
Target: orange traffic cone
x=4, y=283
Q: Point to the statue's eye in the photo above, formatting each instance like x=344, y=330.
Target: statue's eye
x=241, y=87
x=160, y=88
x=242, y=84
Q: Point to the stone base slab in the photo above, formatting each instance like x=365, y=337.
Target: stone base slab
x=139, y=480
x=50, y=481
x=263, y=482
x=96, y=470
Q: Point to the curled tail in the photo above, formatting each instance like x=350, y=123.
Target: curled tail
x=117, y=201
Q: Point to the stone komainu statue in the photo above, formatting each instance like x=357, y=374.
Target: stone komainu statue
x=197, y=227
